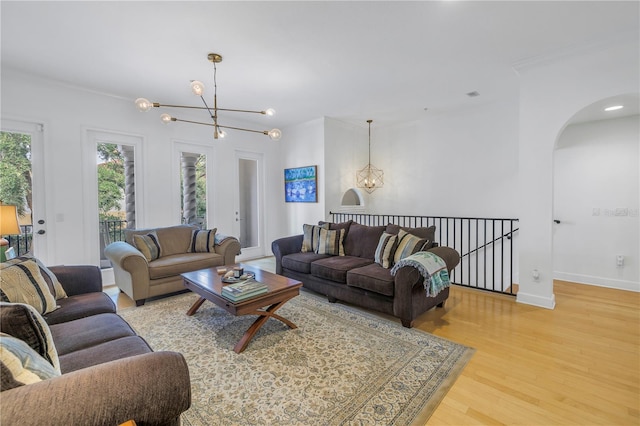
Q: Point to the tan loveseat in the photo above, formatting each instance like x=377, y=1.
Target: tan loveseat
x=141, y=279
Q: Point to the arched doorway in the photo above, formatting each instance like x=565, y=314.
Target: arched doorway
x=596, y=190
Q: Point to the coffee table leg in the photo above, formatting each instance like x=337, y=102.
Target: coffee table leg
x=259, y=322
x=192, y=310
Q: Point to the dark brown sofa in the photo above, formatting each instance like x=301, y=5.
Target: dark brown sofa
x=109, y=374
x=355, y=278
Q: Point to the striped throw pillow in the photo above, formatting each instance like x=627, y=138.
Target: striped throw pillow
x=330, y=242
x=148, y=245
x=384, y=251
x=407, y=245
x=203, y=241
x=21, y=365
x=49, y=277
x=23, y=322
x=23, y=283
x=311, y=237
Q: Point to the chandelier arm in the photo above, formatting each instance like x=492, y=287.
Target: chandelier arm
x=155, y=104
x=264, y=132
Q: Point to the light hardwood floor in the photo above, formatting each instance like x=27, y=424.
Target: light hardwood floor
x=576, y=364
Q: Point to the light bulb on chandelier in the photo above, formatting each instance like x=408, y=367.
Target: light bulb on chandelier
x=198, y=88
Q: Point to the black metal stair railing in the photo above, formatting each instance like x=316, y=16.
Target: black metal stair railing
x=110, y=231
x=487, y=246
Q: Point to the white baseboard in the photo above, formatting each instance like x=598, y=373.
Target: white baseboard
x=532, y=299
x=107, y=277
x=597, y=281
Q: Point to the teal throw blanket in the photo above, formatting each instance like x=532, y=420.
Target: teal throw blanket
x=432, y=268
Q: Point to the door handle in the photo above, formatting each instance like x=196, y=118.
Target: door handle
x=41, y=232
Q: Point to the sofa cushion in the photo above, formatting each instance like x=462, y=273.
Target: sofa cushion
x=22, y=282
x=23, y=322
x=330, y=242
x=148, y=245
x=301, y=262
x=340, y=225
x=428, y=233
x=203, y=241
x=408, y=244
x=373, y=278
x=362, y=240
x=80, y=306
x=169, y=266
x=172, y=239
x=311, y=237
x=21, y=365
x=385, y=249
x=105, y=352
x=334, y=268
x=86, y=332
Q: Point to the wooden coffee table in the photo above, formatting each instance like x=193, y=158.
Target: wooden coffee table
x=208, y=285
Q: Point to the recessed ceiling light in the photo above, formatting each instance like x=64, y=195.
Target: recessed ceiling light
x=473, y=94
x=614, y=108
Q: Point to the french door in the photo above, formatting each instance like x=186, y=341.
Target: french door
x=29, y=161
x=249, y=204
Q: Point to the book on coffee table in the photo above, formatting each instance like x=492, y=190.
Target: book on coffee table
x=243, y=290
x=243, y=296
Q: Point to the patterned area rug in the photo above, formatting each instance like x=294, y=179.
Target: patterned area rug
x=341, y=366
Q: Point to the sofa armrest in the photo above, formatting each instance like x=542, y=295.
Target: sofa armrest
x=283, y=246
x=130, y=268
x=78, y=279
x=151, y=389
x=450, y=256
x=229, y=248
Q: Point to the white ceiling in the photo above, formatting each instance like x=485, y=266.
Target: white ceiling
x=385, y=60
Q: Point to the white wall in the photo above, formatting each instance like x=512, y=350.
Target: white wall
x=346, y=151
x=302, y=145
x=596, y=167
x=551, y=93
x=462, y=163
x=67, y=112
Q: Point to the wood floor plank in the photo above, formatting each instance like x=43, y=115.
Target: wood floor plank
x=576, y=364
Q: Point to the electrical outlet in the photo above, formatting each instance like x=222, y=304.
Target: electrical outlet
x=620, y=260
x=607, y=212
x=633, y=212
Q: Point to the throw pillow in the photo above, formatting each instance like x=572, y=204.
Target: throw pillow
x=330, y=242
x=311, y=237
x=23, y=322
x=384, y=251
x=21, y=365
x=203, y=241
x=148, y=245
x=23, y=283
x=50, y=278
x=407, y=245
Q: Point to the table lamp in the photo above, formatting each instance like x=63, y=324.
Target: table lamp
x=8, y=226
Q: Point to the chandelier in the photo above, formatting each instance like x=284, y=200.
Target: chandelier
x=370, y=177
x=197, y=87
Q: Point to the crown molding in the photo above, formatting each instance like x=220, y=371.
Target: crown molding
x=574, y=50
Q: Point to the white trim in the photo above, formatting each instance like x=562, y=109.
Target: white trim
x=535, y=300
x=597, y=281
